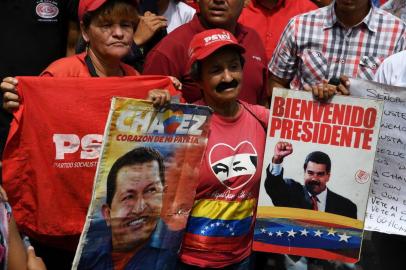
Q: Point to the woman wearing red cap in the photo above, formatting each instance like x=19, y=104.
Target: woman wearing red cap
x=108, y=28
x=220, y=227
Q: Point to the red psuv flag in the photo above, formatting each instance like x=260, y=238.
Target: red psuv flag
x=52, y=150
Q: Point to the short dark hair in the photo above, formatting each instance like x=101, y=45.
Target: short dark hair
x=319, y=158
x=138, y=155
x=196, y=68
x=126, y=6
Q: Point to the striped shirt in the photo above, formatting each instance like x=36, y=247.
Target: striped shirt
x=316, y=46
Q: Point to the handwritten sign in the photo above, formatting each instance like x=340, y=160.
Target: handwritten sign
x=386, y=210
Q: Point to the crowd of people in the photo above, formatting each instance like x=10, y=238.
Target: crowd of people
x=227, y=54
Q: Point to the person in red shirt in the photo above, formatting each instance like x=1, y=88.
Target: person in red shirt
x=108, y=28
x=220, y=227
x=170, y=56
x=269, y=18
x=315, y=54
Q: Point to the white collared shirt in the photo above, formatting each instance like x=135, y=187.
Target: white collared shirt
x=393, y=70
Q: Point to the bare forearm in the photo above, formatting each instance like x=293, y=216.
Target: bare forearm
x=17, y=256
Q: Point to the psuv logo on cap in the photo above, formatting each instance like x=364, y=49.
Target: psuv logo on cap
x=47, y=9
x=216, y=37
x=234, y=166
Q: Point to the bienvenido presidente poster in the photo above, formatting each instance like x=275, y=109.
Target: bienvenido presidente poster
x=317, y=173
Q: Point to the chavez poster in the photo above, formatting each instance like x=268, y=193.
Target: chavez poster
x=144, y=186
x=54, y=143
x=386, y=210
x=317, y=173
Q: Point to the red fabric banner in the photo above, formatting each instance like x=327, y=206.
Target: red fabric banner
x=52, y=150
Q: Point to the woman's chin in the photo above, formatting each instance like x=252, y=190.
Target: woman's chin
x=117, y=53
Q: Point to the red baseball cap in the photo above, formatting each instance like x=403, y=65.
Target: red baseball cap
x=207, y=42
x=88, y=5
x=91, y=5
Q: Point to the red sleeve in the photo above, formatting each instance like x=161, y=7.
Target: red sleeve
x=72, y=66
x=262, y=114
x=259, y=111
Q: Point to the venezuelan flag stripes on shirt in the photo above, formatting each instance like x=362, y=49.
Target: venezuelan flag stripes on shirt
x=220, y=227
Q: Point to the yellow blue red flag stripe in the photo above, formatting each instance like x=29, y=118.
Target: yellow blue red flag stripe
x=218, y=227
x=321, y=235
x=217, y=218
x=216, y=209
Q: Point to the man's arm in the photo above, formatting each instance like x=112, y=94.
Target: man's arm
x=149, y=31
x=283, y=65
x=275, y=185
x=282, y=150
